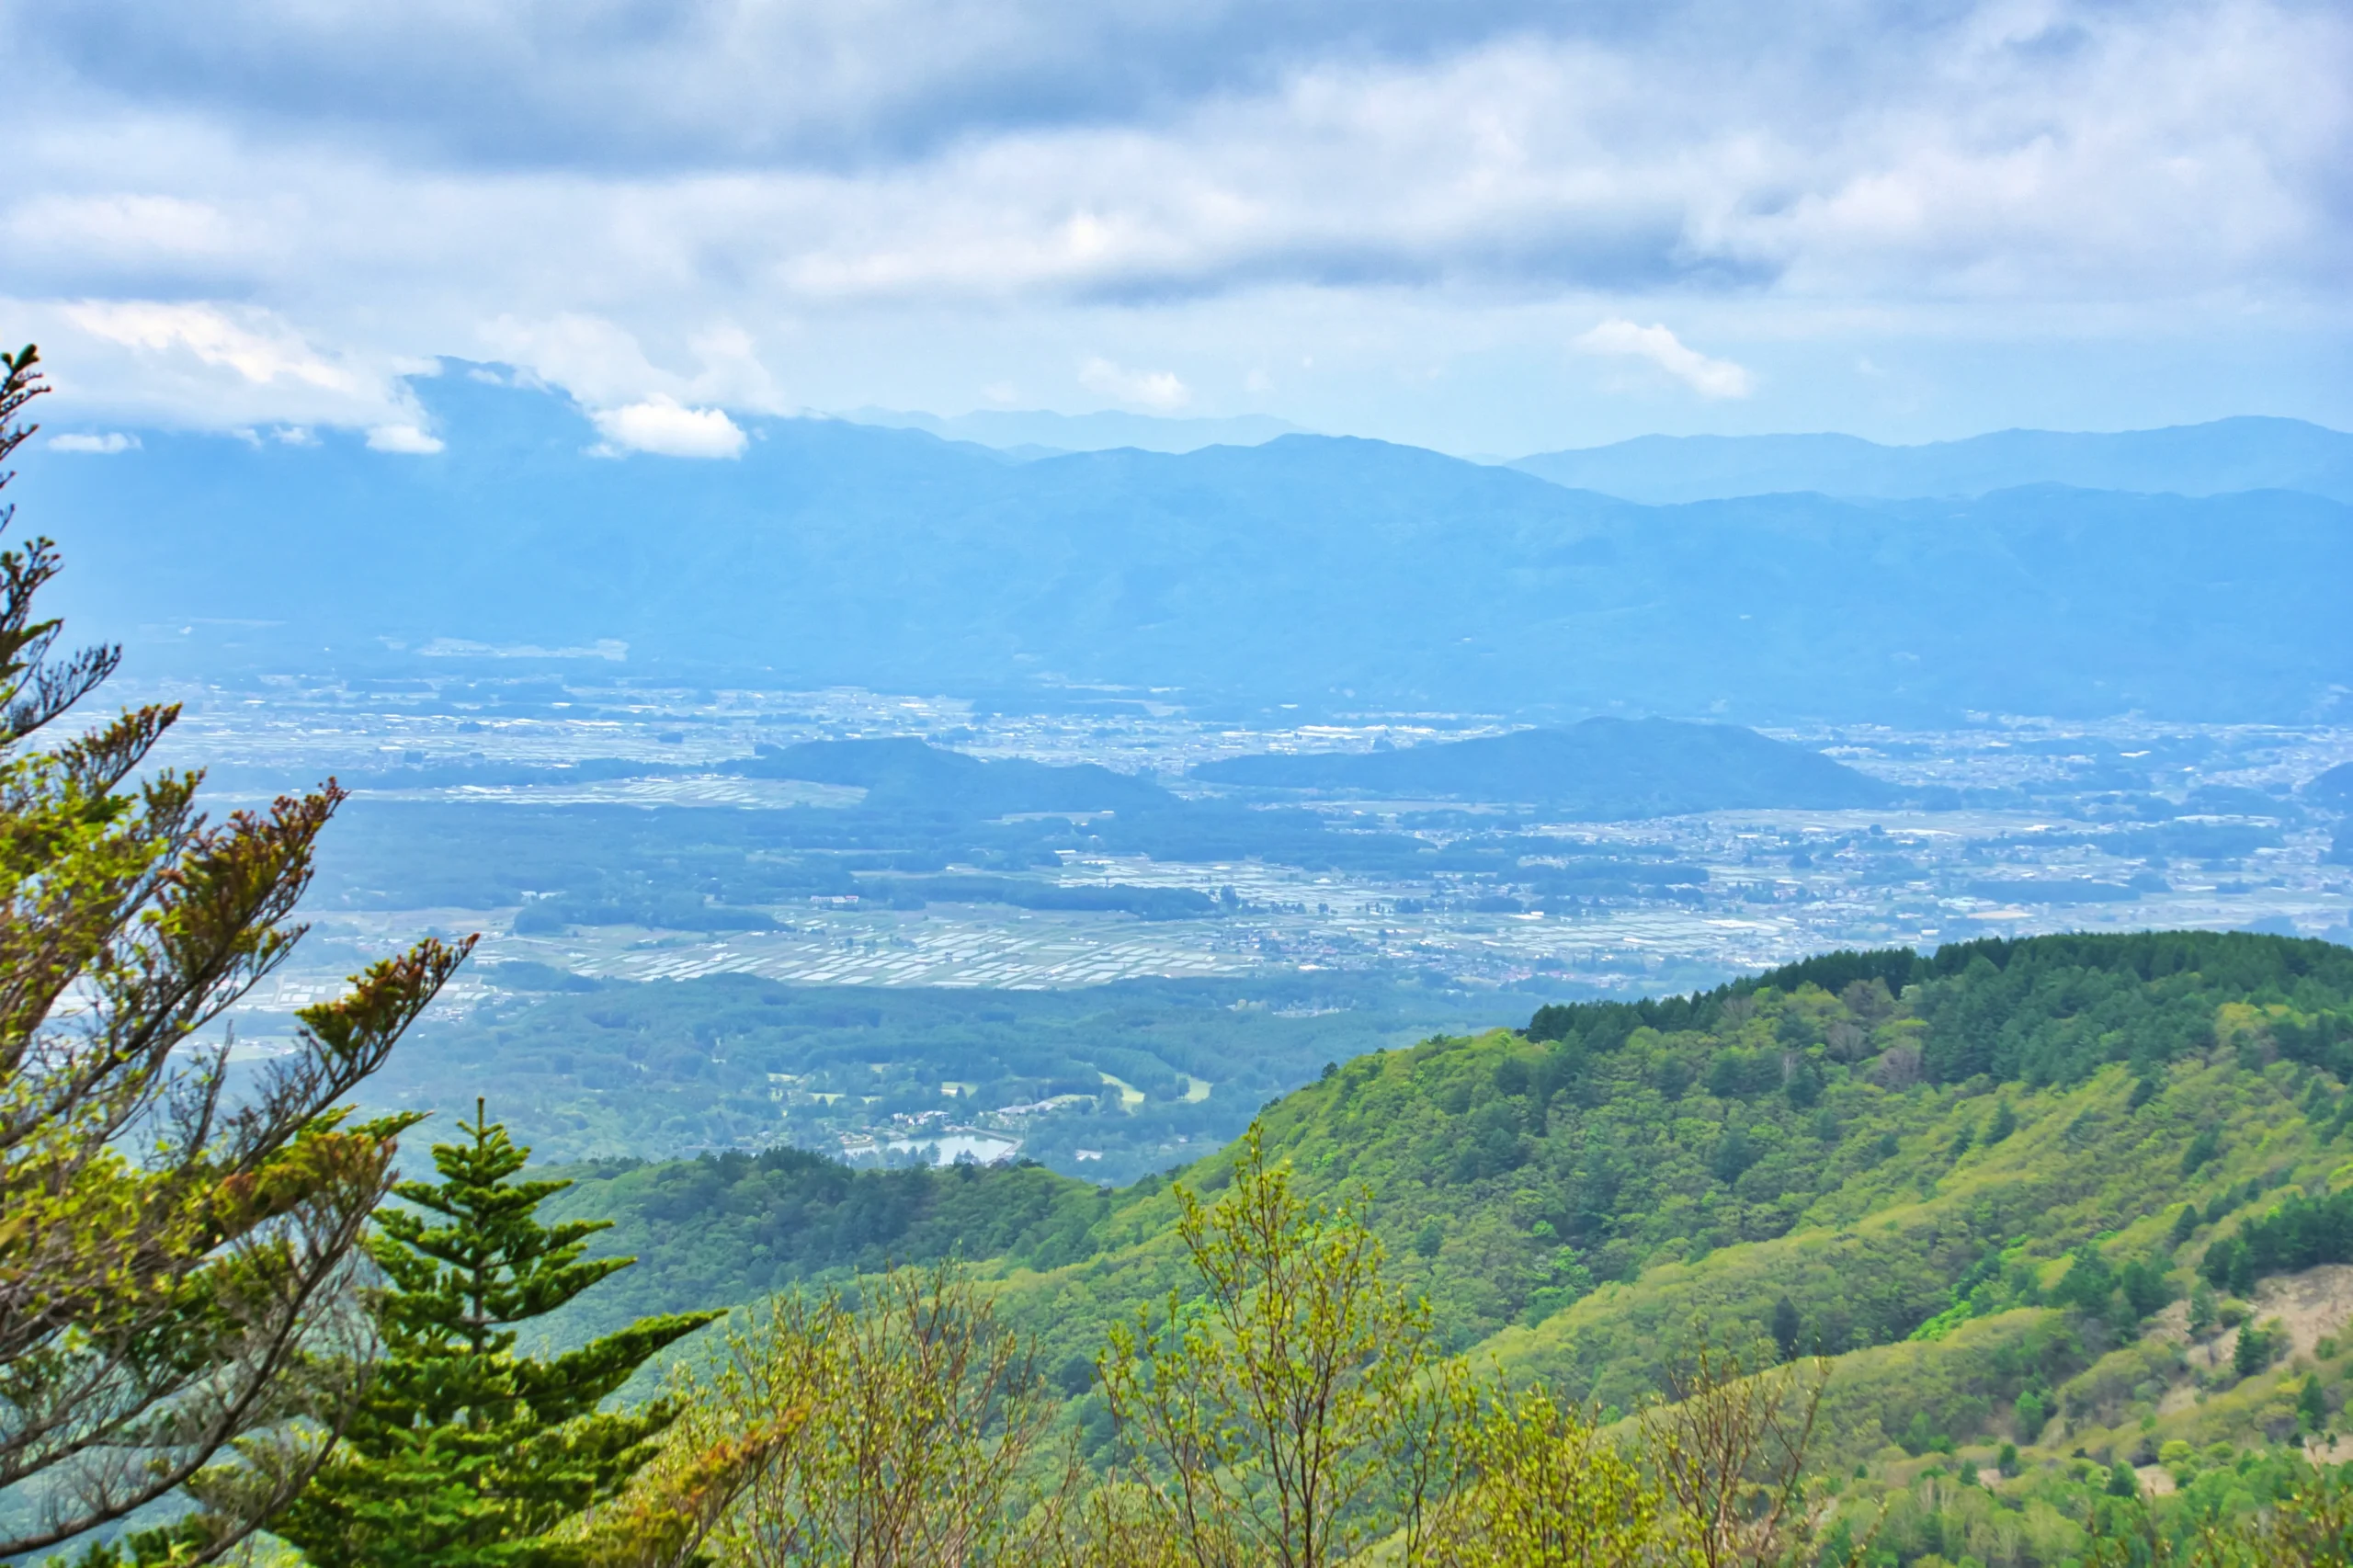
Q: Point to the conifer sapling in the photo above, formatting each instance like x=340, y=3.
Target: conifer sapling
x=463, y=1452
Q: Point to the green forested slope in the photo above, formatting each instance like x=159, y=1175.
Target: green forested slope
x=1981, y=1181
x=731, y=1228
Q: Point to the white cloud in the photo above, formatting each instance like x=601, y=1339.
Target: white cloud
x=258, y=349
x=596, y=361
x=112, y=441
x=211, y=365
x=762, y=206
x=1158, y=390
x=662, y=425
x=117, y=227
x=404, y=439
x=604, y=365
x=1709, y=377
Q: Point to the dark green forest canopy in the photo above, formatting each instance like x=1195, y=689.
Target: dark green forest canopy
x=2299, y=1234
x=2038, y=1009
x=1628, y=1133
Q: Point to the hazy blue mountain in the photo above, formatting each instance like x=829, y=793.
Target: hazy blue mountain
x=1324, y=571
x=905, y=772
x=2216, y=459
x=1038, y=433
x=1602, y=770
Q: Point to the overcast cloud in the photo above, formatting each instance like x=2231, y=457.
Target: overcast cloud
x=1490, y=225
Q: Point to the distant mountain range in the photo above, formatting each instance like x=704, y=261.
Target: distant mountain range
x=1337, y=573
x=1601, y=770
x=2195, y=459
x=2218, y=458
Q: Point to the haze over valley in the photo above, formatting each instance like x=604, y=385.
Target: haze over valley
x=606, y=832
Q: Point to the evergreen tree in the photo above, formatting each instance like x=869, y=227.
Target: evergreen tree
x=2004, y=1123
x=464, y=1453
x=2257, y=1346
x=1789, y=1328
x=174, y=1260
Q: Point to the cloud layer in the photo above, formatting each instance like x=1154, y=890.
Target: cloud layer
x=271, y=209
x=660, y=424
x=1710, y=378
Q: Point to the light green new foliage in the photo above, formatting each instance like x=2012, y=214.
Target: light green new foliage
x=1551, y=1492
x=1282, y=1415
x=894, y=1430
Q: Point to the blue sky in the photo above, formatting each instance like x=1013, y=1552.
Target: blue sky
x=1485, y=225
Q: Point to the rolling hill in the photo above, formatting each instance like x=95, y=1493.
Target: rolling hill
x=909, y=774
x=1602, y=769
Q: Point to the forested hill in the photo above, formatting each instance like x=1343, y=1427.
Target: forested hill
x=1602, y=769
x=911, y=775
x=1984, y=1180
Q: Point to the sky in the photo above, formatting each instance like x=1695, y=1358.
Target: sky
x=1488, y=226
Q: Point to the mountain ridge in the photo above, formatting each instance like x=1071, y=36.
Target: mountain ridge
x=2246, y=452
x=1338, y=572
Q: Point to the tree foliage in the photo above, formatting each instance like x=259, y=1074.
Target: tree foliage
x=1559, y=1201
x=1262, y=1420
x=894, y=1428
x=1730, y=1448
x=1545, y=1489
x=1293, y=1408
x=174, y=1264
x=2300, y=1232
x=462, y=1453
